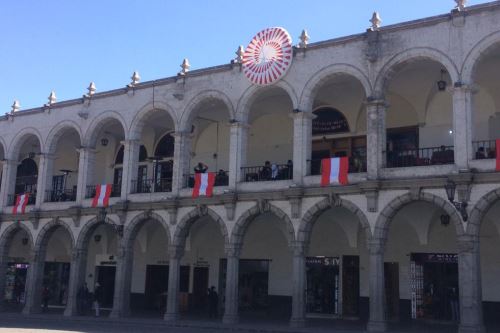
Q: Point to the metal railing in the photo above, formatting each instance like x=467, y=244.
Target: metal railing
x=115, y=191
x=484, y=149
x=11, y=199
x=152, y=185
x=356, y=165
x=420, y=156
x=221, y=179
x=60, y=195
x=267, y=173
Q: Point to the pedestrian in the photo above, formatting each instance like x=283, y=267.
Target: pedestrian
x=97, y=298
x=453, y=297
x=45, y=298
x=80, y=300
x=213, y=302
x=200, y=168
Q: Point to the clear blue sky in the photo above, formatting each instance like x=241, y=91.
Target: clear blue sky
x=62, y=45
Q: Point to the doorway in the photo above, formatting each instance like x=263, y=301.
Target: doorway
x=350, y=286
x=156, y=287
x=200, y=289
x=391, y=273
x=56, y=278
x=106, y=279
x=323, y=286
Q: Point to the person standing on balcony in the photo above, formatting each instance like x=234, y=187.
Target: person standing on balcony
x=200, y=168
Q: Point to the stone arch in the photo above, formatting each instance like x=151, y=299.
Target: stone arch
x=479, y=211
x=247, y=217
x=46, y=232
x=132, y=229
x=188, y=113
x=3, y=146
x=321, y=76
x=19, y=140
x=184, y=226
x=98, y=123
x=474, y=56
x=311, y=216
x=57, y=131
x=413, y=54
x=387, y=214
x=87, y=230
x=140, y=117
x=251, y=94
x=9, y=233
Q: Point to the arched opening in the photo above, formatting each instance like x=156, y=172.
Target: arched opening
x=339, y=129
x=486, y=104
x=421, y=264
x=419, y=119
x=62, y=167
x=154, y=172
x=106, y=138
x=210, y=145
x=269, y=150
x=337, y=267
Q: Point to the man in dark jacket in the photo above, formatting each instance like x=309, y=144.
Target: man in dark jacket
x=213, y=302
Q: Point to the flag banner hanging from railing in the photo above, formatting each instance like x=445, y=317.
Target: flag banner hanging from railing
x=203, y=184
x=20, y=204
x=102, y=194
x=334, y=171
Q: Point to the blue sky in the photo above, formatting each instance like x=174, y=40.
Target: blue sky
x=62, y=45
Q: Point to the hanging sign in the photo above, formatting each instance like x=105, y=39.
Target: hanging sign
x=268, y=56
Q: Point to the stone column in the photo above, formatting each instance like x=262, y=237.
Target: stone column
x=44, y=181
x=231, y=315
x=375, y=136
x=470, y=293
x=299, y=286
x=462, y=125
x=182, y=158
x=123, y=279
x=237, y=151
x=377, y=321
x=130, y=166
x=34, y=281
x=302, y=136
x=76, y=280
x=86, y=166
x=9, y=171
x=172, y=313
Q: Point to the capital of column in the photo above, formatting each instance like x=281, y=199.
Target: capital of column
x=78, y=253
x=181, y=134
x=85, y=149
x=130, y=142
x=375, y=102
x=462, y=87
x=48, y=156
x=233, y=250
x=298, y=248
x=376, y=246
x=467, y=243
x=301, y=115
x=12, y=163
x=175, y=251
x=233, y=123
x=123, y=251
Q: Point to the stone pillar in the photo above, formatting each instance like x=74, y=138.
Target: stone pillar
x=130, y=166
x=462, y=125
x=302, y=136
x=9, y=172
x=377, y=321
x=299, y=286
x=182, y=158
x=44, y=182
x=231, y=315
x=470, y=293
x=375, y=136
x=172, y=313
x=76, y=280
x=34, y=281
x=123, y=279
x=86, y=166
x=237, y=152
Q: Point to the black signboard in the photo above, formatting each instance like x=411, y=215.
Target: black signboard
x=329, y=121
x=434, y=257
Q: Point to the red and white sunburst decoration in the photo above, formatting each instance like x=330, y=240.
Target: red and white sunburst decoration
x=268, y=56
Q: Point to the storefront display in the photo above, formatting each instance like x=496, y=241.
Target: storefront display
x=15, y=281
x=323, y=285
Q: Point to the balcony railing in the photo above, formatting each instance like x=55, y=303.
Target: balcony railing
x=356, y=165
x=115, y=191
x=11, y=199
x=484, y=149
x=152, y=185
x=420, y=156
x=221, y=179
x=60, y=195
x=267, y=173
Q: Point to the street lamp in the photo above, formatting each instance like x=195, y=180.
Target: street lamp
x=450, y=188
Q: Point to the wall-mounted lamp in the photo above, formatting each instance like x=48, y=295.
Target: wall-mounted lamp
x=97, y=238
x=24, y=241
x=442, y=83
x=104, y=142
x=31, y=154
x=296, y=111
x=450, y=188
x=445, y=219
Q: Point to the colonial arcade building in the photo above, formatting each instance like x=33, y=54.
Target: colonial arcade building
x=414, y=236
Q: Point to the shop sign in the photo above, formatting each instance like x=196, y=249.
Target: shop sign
x=325, y=261
x=435, y=257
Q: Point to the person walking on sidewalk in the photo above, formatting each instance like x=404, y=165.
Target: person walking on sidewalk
x=97, y=298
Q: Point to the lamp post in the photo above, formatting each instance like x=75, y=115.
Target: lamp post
x=461, y=207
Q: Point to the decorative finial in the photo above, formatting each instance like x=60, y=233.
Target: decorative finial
x=185, y=67
x=91, y=89
x=239, y=54
x=15, y=106
x=375, y=21
x=304, y=39
x=460, y=5
x=52, y=98
x=135, y=79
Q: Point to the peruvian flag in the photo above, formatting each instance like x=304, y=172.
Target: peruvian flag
x=21, y=202
x=102, y=194
x=497, y=143
x=334, y=171
x=203, y=184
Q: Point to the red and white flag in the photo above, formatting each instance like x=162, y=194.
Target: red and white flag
x=497, y=143
x=334, y=171
x=203, y=184
x=102, y=194
x=21, y=202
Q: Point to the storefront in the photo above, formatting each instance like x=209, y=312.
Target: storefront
x=56, y=279
x=15, y=281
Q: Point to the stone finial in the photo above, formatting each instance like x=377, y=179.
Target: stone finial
x=15, y=106
x=185, y=67
x=375, y=21
x=52, y=98
x=135, y=79
x=239, y=54
x=304, y=39
x=91, y=89
x=460, y=5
